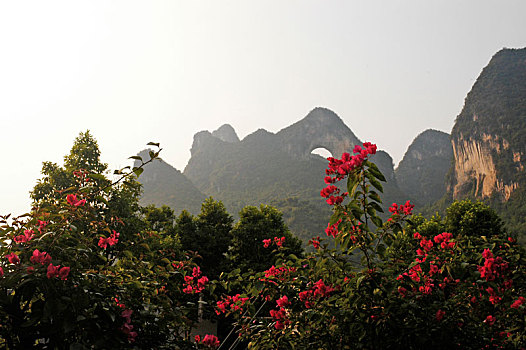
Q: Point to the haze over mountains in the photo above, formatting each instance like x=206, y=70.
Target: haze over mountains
x=484, y=158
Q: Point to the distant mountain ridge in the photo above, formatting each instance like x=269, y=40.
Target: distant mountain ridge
x=487, y=149
x=277, y=169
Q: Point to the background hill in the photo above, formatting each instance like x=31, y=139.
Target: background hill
x=489, y=139
x=483, y=158
x=422, y=172
x=277, y=169
x=165, y=185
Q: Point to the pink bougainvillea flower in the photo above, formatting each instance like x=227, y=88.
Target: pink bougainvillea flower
x=518, y=303
x=315, y=241
x=126, y=314
x=41, y=225
x=13, y=258
x=40, y=258
x=279, y=241
x=266, y=243
x=211, y=340
x=26, y=237
x=490, y=320
x=283, y=301
x=52, y=271
x=440, y=315
x=73, y=201
x=110, y=241
x=63, y=273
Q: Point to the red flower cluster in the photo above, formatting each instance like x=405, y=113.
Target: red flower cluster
x=73, y=201
x=426, y=279
x=402, y=209
x=443, y=240
x=315, y=241
x=279, y=273
x=195, y=283
x=235, y=304
x=440, y=315
x=111, y=240
x=13, y=258
x=57, y=271
x=41, y=225
x=518, y=303
x=26, y=237
x=119, y=304
x=40, y=258
x=178, y=265
x=339, y=168
x=493, y=267
x=490, y=320
x=344, y=166
x=332, y=230
x=280, y=316
x=283, y=301
x=278, y=241
x=319, y=290
x=328, y=192
x=209, y=340
x=127, y=327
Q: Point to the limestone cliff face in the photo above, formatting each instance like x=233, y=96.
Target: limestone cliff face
x=475, y=167
x=422, y=172
x=489, y=136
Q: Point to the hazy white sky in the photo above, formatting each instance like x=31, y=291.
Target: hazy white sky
x=140, y=71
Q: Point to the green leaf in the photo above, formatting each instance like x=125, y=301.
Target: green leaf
x=381, y=250
x=375, y=171
x=153, y=144
x=102, y=199
x=352, y=182
x=374, y=196
x=138, y=171
x=377, y=221
x=376, y=184
x=359, y=281
x=136, y=157
x=377, y=207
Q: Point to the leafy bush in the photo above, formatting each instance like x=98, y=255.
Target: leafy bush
x=387, y=287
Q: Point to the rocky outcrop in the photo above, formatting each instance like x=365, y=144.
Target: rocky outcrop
x=226, y=133
x=422, y=172
x=320, y=128
x=489, y=134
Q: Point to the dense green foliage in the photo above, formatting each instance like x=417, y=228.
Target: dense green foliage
x=90, y=268
x=87, y=268
x=255, y=225
x=416, y=286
